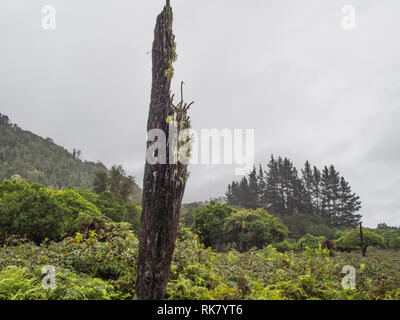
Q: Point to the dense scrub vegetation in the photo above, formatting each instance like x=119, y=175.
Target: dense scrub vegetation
x=228, y=253
x=40, y=160
x=103, y=266
x=351, y=240
x=222, y=227
x=37, y=213
x=298, y=224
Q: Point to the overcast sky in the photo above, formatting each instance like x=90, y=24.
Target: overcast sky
x=310, y=89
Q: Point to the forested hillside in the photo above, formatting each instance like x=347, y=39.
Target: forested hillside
x=40, y=160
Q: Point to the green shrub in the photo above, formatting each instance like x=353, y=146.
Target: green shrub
x=351, y=240
x=114, y=208
x=301, y=224
x=19, y=284
x=208, y=222
x=285, y=245
x=36, y=212
x=73, y=286
x=310, y=241
x=223, y=228
x=247, y=228
x=30, y=211
x=391, y=236
x=73, y=206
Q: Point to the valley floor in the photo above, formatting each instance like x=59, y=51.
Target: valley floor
x=104, y=267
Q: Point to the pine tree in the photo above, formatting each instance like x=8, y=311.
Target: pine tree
x=303, y=199
x=339, y=204
x=327, y=194
x=252, y=201
x=229, y=194
x=244, y=193
x=335, y=186
x=349, y=203
x=288, y=177
x=282, y=191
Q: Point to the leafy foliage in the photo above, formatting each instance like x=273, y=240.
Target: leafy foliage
x=311, y=241
x=18, y=283
x=351, y=240
x=100, y=267
x=103, y=266
x=222, y=227
x=114, y=207
x=208, y=223
x=36, y=212
x=391, y=236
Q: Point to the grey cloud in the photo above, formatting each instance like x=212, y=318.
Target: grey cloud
x=311, y=90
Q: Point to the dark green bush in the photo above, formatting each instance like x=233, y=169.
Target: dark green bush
x=36, y=212
x=114, y=208
x=351, y=240
x=208, y=223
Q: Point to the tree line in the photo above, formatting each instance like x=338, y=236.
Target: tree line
x=280, y=190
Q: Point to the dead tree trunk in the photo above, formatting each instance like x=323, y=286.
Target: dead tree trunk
x=163, y=184
x=363, y=246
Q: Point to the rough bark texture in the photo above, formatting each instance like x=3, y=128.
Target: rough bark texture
x=163, y=184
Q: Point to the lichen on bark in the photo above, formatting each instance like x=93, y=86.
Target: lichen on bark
x=163, y=184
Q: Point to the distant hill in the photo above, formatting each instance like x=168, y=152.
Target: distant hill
x=40, y=160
